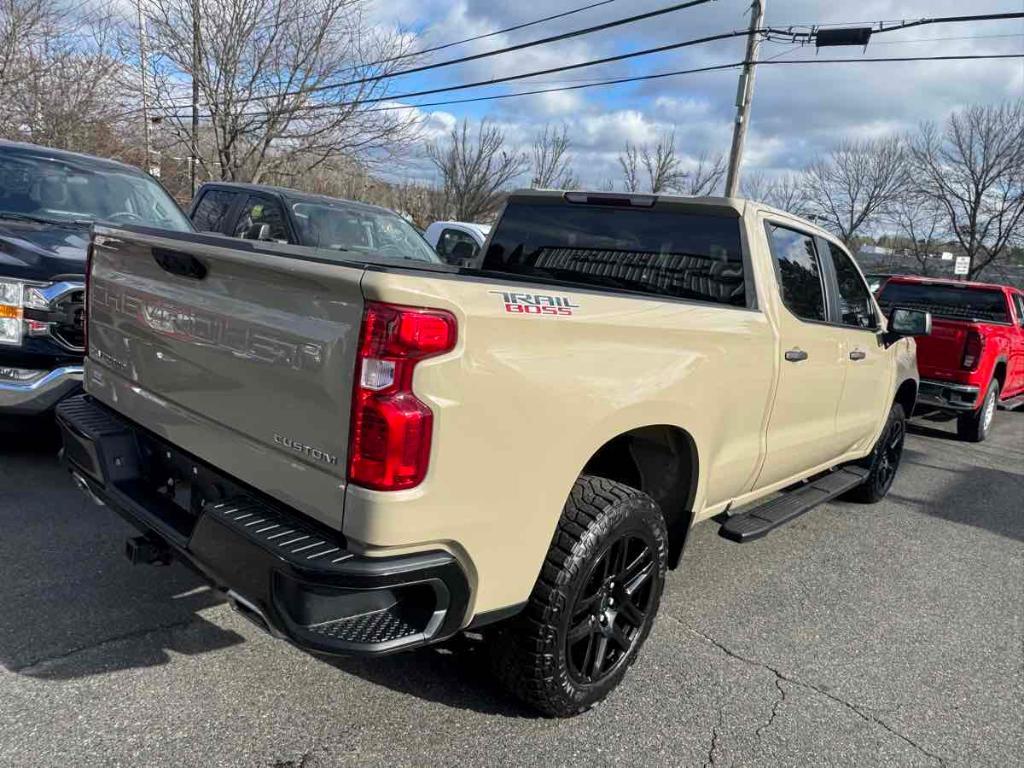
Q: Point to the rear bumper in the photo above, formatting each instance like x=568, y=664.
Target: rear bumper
x=280, y=569
x=41, y=394
x=947, y=396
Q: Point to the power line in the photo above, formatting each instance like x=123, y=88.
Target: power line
x=594, y=62
x=525, y=75
x=488, y=54
x=662, y=75
x=506, y=30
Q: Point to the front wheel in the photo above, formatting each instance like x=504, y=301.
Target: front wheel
x=593, y=604
x=883, y=462
x=974, y=426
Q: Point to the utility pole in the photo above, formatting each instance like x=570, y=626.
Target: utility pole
x=194, y=160
x=744, y=95
x=145, y=96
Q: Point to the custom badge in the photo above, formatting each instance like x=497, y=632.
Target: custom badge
x=537, y=304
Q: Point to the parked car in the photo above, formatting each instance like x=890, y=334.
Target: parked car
x=974, y=358
x=457, y=242
x=287, y=216
x=369, y=456
x=48, y=201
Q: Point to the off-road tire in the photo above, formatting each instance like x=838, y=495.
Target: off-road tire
x=530, y=652
x=884, y=460
x=975, y=426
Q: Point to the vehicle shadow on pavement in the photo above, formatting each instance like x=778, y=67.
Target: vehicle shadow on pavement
x=66, y=589
x=455, y=674
x=981, y=497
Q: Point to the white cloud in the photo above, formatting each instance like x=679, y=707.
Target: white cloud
x=798, y=111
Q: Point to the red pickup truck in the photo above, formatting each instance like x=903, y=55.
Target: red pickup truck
x=974, y=358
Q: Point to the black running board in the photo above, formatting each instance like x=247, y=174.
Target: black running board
x=1012, y=402
x=756, y=522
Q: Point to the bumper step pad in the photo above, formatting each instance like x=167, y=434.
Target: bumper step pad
x=382, y=626
x=756, y=522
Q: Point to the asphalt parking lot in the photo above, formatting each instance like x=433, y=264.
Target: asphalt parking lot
x=860, y=636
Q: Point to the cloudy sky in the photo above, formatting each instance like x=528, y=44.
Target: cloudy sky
x=798, y=110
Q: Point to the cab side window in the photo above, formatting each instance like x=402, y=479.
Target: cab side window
x=855, y=303
x=213, y=209
x=257, y=212
x=1018, y=300
x=799, y=272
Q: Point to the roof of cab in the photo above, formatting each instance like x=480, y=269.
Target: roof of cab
x=948, y=281
x=295, y=194
x=87, y=161
x=740, y=205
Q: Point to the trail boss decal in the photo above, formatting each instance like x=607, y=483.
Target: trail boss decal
x=537, y=304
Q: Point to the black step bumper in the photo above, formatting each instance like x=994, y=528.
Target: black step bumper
x=289, y=575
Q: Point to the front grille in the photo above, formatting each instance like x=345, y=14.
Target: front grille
x=69, y=329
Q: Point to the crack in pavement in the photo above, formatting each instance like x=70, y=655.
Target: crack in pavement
x=775, y=708
x=780, y=676
x=714, y=741
x=38, y=665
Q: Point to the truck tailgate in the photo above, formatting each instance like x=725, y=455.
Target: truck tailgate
x=939, y=354
x=241, y=354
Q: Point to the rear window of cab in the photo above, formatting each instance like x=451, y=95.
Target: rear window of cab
x=952, y=301
x=661, y=252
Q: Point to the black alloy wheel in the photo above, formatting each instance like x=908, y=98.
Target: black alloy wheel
x=610, y=611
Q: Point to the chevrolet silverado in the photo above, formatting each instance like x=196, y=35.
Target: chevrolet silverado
x=370, y=454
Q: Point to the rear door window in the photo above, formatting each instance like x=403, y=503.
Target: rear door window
x=257, y=212
x=211, y=213
x=664, y=252
x=947, y=300
x=799, y=272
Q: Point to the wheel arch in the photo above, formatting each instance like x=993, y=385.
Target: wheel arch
x=906, y=395
x=662, y=461
x=999, y=372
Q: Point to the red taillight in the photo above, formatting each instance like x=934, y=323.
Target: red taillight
x=389, y=437
x=972, y=350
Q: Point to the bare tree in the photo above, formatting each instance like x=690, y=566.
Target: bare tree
x=629, y=161
x=551, y=161
x=973, y=170
x=706, y=177
x=475, y=170
x=787, y=192
x=856, y=183
x=60, y=75
x=662, y=165
x=285, y=87
x=661, y=168
x=920, y=226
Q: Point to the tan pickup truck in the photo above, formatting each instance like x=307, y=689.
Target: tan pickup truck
x=370, y=453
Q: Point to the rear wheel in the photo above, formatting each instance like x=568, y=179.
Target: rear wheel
x=593, y=604
x=975, y=426
x=884, y=461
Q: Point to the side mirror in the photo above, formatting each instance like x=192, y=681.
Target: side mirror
x=908, y=322
x=462, y=252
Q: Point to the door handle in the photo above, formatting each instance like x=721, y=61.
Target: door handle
x=178, y=263
x=796, y=355
x=858, y=354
